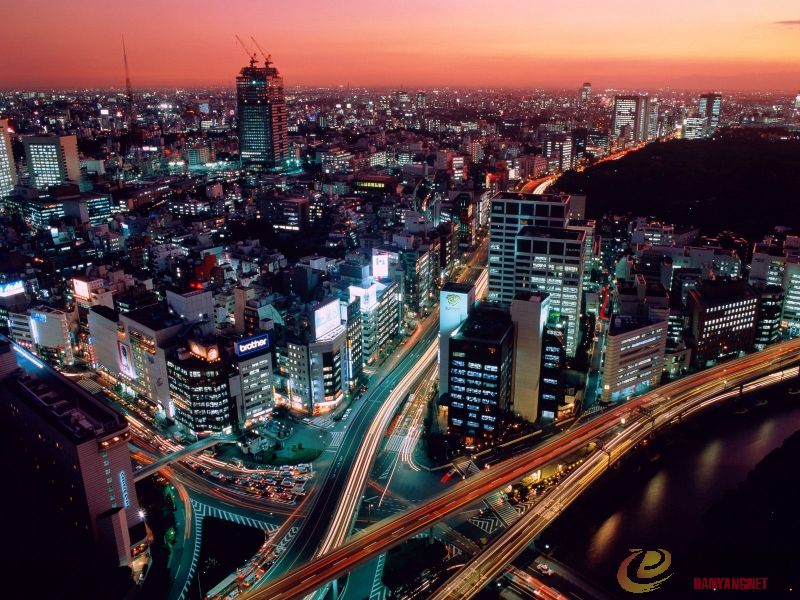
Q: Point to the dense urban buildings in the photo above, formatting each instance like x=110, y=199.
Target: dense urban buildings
x=286, y=306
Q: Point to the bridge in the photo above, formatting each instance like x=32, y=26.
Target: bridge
x=165, y=461
x=668, y=403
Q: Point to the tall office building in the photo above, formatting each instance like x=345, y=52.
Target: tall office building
x=631, y=117
x=634, y=356
x=551, y=259
x=8, y=174
x=455, y=303
x=198, y=385
x=262, y=120
x=52, y=160
x=480, y=376
x=724, y=315
x=586, y=93
x=709, y=108
x=78, y=447
x=529, y=312
x=510, y=212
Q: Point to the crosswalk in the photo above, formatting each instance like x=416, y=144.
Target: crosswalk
x=489, y=523
x=204, y=510
x=503, y=509
x=336, y=439
x=323, y=422
x=198, y=538
x=395, y=442
x=378, y=590
x=467, y=468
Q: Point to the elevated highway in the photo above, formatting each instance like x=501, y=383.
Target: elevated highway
x=669, y=402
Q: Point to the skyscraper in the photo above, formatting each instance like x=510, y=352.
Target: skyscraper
x=586, y=93
x=709, y=107
x=52, y=160
x=631, y=117
x=510, y=213
x=261, y=109
x=8, y=174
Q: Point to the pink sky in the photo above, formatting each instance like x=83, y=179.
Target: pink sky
x=721, y=44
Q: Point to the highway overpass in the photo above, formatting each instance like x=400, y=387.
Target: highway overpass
x=167, y=460
x=671, y=402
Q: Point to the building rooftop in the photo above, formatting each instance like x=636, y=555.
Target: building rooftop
x=557, y=233
x=485, y=324
x=460, y=288
x=621, y=324
x=154, y=317
x=64, y=404
x=554, y=198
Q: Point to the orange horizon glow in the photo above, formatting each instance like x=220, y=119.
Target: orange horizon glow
x=707, y=44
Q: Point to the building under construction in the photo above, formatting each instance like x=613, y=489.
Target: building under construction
x=261, y=106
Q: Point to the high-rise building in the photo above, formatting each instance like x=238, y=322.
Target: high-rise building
x=723, y=315
x=510, y=212
x=768, y=323
x=8, y=172
x=586, y=93
x=529, y=312
x=631, y=117
x=709, y=108
x=558, y=149
x=78, y=446
x=251, y=384
x=480, y=376
x=52, y=160
x=634, y=356
x=262, y=118
x=455, y=303
x=198, y=386
x=791, y=289
x=551, y=259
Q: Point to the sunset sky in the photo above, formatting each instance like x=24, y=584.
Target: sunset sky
x=721, y=44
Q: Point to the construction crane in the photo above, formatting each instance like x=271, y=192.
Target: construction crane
x=267, y=57
x=131, y=108
x=250, y=57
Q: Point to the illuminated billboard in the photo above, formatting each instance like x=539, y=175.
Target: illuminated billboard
x=380, y=265
x=326, y=318
x=80, y=289
x=252, y=345
x=11, y=288
x=368, y=295
x=126, y=360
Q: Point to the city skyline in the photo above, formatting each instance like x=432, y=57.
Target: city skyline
x=725, y=46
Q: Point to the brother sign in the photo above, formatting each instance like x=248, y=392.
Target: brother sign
x=253, y=344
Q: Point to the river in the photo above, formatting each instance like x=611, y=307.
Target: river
x=658, y=499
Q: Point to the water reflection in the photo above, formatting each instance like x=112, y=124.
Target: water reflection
x=604, y=539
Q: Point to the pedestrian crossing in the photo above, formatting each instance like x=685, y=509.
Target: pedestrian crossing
x=323, y=422
x=198, y=538
x=204, y=510
x=336, y=439
x=489, y=523
x=395, y=442
x=503, y=509
x=378, y=590
x=467, y=468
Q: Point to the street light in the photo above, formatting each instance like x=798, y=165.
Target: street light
x=622, y=420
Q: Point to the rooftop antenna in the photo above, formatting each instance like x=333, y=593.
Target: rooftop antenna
x=128, y=91
x=267, y=57
x=250, y=55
